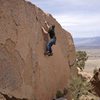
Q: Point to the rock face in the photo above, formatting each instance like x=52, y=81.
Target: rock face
x=96, y=82
x=84, y=75
x=24, y=70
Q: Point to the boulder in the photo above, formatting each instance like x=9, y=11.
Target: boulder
x=24, y=70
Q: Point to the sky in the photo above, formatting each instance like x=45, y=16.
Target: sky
x=80, y=17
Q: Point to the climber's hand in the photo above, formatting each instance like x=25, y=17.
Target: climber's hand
x=45, y=22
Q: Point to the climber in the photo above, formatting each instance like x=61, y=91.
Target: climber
x=52, y=41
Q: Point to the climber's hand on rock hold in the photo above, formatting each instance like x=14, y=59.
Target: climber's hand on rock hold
x=45, y=22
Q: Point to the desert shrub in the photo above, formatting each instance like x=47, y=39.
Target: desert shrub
x=59, y=94
x=81, y=57
x=79, y=87
x=63, y=93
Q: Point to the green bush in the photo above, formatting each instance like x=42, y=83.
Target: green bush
x=81, y=57
x=79, y=87
x=59, y=94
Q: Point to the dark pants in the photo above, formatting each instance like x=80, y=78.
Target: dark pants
x=50, y=44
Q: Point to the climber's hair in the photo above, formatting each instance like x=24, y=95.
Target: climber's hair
x=53, y=26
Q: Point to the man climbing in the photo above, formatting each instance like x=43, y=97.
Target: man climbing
x=52, y=41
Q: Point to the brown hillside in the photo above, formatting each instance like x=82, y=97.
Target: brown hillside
x=24, y=70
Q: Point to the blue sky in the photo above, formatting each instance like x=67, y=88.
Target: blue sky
x=80, y=17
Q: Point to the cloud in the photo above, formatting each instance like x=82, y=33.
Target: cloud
x=68, y=6
x=78, y=20
x=80, y=17
x=79, y=25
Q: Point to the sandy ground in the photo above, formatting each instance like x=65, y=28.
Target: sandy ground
x=91, y=65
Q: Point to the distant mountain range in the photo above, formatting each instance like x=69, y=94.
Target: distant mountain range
x=92, y=42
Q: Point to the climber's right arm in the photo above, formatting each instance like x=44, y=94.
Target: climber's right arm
x=44, y=31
